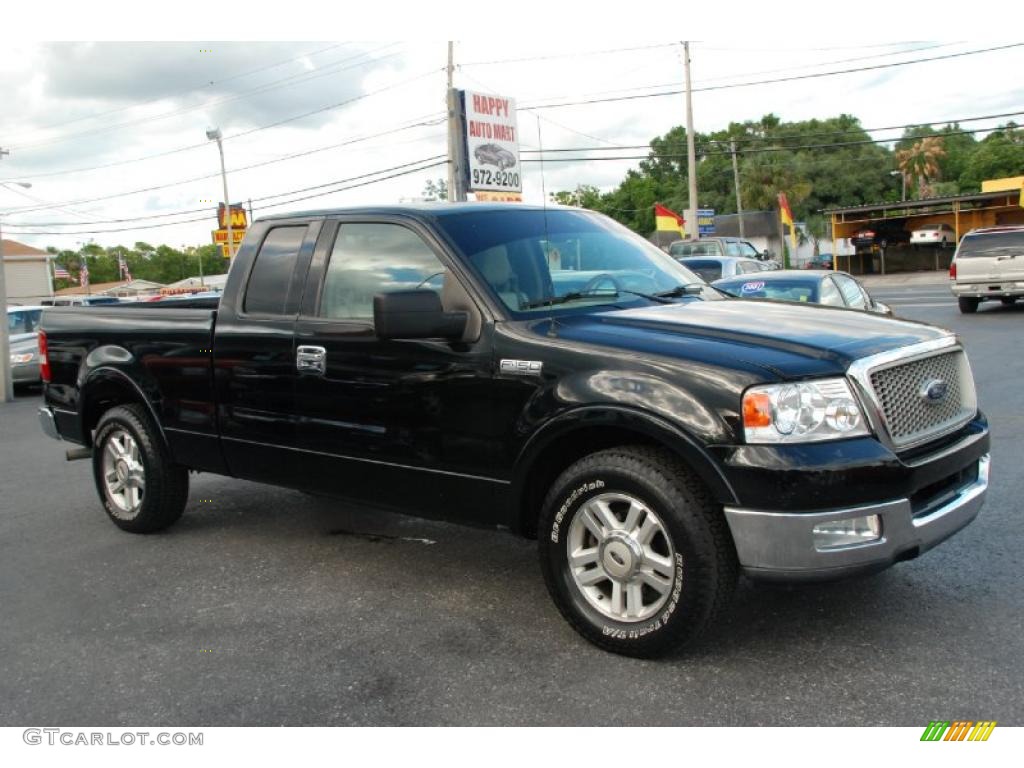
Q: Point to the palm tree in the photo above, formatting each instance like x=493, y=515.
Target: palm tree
x=921, y=162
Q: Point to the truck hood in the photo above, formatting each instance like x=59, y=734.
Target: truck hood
x=786, y=339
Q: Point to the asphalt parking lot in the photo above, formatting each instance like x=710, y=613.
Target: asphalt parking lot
x=263, y=606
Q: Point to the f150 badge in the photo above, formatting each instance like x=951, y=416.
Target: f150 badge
x=522, y=367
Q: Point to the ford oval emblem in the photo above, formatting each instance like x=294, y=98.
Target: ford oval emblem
x=934, y=391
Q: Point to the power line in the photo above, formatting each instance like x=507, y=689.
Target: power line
x=421, y=165
x=775, y=139
x=678, y=91
x=566, y=55
x=763, y=72
x=234, y=170
x=754, y=150
x=30, y=209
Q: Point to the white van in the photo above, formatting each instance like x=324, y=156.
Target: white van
x=988, y=264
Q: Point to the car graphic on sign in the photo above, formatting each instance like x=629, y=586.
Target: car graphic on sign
x=492, y=154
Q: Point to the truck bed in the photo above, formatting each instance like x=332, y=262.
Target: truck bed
x=161, y=350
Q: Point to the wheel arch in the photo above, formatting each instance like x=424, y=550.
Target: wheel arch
x=106, y=388
x=569, y=437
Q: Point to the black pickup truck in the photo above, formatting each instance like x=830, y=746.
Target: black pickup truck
x=540, y=370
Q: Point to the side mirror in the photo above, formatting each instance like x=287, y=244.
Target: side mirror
x=415, y=315
x=883, y=309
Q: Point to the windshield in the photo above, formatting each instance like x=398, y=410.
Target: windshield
x=993, y=244
x=534, y=259
x=681, y=250
x=779, y=290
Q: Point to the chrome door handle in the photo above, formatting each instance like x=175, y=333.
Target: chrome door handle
x=311, y=360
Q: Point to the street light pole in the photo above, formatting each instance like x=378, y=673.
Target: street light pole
x=6, y=383
x=214, y=134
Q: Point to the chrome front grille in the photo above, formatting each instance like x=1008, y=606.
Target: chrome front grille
x=924, y=397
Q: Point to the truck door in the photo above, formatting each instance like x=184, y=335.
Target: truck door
x=254, y=355
x=401, y=423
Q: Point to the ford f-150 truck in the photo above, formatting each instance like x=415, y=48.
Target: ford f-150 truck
x=543, y=370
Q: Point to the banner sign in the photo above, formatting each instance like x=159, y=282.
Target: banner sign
x=492, y=143
x=220, y=236
x=705, y=221
x=499, y=197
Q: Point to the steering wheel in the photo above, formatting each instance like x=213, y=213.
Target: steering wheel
x=595, y=282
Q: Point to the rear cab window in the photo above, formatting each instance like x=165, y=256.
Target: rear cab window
x=709, y=269
x=991, y=245
x=267, y=292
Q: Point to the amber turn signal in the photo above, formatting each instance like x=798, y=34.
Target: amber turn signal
x=757, y=410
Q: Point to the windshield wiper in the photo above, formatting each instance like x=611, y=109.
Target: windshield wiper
x=578, y=295
x=684, y=289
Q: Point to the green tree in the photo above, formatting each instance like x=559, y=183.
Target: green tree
x=1000, y=154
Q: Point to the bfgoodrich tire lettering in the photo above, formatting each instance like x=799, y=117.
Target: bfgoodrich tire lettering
x=686, y=568
x=140, y=487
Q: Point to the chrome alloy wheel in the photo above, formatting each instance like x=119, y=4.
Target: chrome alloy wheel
x=620, y=557
x=123, y=473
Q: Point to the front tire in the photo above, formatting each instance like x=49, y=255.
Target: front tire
x=1009, y=301
x=140, y=487
x=968, y=306
x=634, y=552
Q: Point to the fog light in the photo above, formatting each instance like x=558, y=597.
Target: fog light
x=847, y=533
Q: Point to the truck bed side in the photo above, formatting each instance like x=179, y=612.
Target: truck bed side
x=159, y=356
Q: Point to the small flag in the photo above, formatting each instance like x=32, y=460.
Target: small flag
x=787, y=219
x=666, y=220
x=59, y=273
x=83, y=274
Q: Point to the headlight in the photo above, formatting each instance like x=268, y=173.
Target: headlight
x=22, y=359
x=802, y=412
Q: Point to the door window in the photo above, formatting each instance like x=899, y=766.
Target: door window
x=852, y=293
x=368, y=259
x=267, y=291
x=830, y=294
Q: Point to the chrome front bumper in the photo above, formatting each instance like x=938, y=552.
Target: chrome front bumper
x=47, y=423
x=780, y=545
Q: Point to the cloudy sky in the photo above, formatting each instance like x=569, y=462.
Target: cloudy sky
x=112, y=135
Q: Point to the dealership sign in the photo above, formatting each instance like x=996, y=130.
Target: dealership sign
x=492, y=143
x=705, y=221
x=239, y=225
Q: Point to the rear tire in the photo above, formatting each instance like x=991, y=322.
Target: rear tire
x=653, y=561
x=968, y=306
x=140, y=487
x=1009, y=301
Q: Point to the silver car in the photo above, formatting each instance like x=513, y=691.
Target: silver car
x=25, y=362
x=713, y=268
x=988, y=264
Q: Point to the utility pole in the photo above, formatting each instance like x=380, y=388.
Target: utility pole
x=691, y=154
x=456, y=159
x=451, y=122
x=736, y=180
